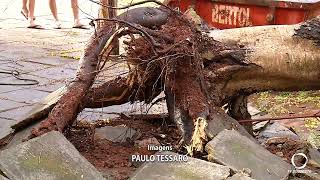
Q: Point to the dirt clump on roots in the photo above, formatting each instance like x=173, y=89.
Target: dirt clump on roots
x=112, y=158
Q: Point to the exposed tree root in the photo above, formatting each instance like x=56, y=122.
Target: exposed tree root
x=197, y=73
x=68, y=106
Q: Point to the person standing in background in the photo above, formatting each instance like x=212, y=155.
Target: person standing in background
x=75, y=10
x=28, y=13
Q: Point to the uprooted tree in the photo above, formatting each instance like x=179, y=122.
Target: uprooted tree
x=199, y=72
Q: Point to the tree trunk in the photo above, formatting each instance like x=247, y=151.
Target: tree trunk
x=105, y=12
x=108, y=13
x=280, y=60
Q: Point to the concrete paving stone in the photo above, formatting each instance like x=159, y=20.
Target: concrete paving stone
x=30, y=67
x=50, y=87
x=50, y=156
x=22, y=67
x=275, y=130
x=72, y=64
x=5, y=127
x=4, y=59
x=3, y=75
x=49, y=59
x=5, y=89
x=180, y=170
x=8, y=105
x=236, y=151
x=222, y=121
x=18, y=51
x=116, y=133
x=25, y=95
x=57, y=73
x=17, y=113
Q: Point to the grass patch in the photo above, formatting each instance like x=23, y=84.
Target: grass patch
x=276, y=103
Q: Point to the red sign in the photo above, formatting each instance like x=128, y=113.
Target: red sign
x=239, y=13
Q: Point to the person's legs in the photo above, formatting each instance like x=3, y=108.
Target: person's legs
x=54, y=11
x=53, y=8
x=31, y=18
x=31, y=13
x=75, y=10
x=24, y=8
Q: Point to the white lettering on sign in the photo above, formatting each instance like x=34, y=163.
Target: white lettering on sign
x=231, y=15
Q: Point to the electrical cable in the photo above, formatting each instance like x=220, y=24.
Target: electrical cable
x=16, y=74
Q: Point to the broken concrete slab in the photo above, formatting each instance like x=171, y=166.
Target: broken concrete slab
x=240, y=176
x=16, y=113
x=6, y=132
x=253, y=111
x=259, y=126
x=50, y=156
x=236, y=151
x=116, y=133
x=19, y=136
x=41, y=109
x=25, y=95
x=5, y=129
x=221, y=121
x=275, y=130
x=181, y=170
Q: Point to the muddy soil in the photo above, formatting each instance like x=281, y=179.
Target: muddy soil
x=277, y=104
x=114, y=158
